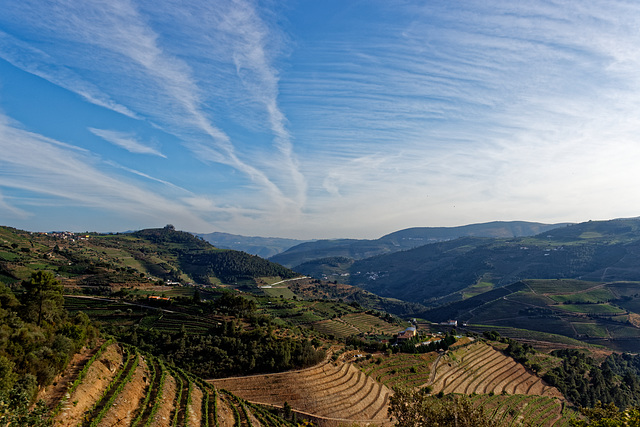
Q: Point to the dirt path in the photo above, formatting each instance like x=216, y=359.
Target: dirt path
x=125, y=406
x=434, y=368
x=162, y=418
x=98, y=377
x=225, y=413
x=56, y=391
x=194, y=409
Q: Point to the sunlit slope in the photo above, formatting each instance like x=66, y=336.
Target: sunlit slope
x=331, y=390
x=594, y=312
x=117, y=385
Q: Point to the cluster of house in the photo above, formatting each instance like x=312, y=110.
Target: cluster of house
x=411, y=332
x=66, y=235
x=407, y=334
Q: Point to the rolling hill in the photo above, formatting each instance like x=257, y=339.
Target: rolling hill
x=594, y=312
x=403, y=240
x=446, y=271
x=266, y=345
x=139, y=258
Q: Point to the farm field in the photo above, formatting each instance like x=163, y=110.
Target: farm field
x=121, y=313
x=407, y=370
x=530, y=410
x=583, y=310
x=606, y=309
x=356, y=324
x=116, y=384
x=337, y=391
x=367, y=323
x=505, y=389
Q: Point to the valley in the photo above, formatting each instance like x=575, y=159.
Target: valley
x=168, y=330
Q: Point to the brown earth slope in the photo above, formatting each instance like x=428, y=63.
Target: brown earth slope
x=98, y=377
x=336, y=391
x=479, y=368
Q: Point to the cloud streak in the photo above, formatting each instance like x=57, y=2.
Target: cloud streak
x=38, y=63
x=42, y=166
x=127, y=141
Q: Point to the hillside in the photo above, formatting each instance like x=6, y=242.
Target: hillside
x=445, y=271
x=403, y=240
x=314, y=347
x=355, y=388
x=118, y=385
x=139, y=258
x=594, y=312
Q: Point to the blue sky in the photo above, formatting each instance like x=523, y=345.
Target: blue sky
x=311, y=119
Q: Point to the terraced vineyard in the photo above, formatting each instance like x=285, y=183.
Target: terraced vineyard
x=479, y=368
x=357, y=323
x=336, y=327
x=118, y=385
x=368, y=323
x=332, y=392
x=530, y=410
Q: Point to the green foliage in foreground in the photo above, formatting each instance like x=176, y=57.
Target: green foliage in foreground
x=226, y=350
x=15, y=410
x=608, y=416
x=37, y=340
x=412, y=408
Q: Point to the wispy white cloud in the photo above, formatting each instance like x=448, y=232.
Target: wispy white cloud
x=126, y=140
x=441, y=105
x=11, y=210
x=153, y=78
x=37, y=62
x=39, y=165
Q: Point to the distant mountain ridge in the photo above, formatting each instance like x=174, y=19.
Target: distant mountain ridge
x=440, y=272
x=405, y=239
x=264, y=247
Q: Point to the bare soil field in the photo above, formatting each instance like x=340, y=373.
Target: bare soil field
x=98, y=377
x=124, y=408
x=336, y=391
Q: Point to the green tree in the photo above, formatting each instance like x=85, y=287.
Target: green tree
x=16, y=410
x=43, y=299
x=287, y=410
x=413, y=408
x=608, y=416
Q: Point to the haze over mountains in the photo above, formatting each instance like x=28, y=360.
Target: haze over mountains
x=434, y=265
x=291, y=252
x=595, y=250
x=262, y=246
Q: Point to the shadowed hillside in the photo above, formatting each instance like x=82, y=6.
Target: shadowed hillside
x=404, y=239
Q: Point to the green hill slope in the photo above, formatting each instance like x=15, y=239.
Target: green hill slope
x=142, y=257
x=594, y=312
x=605, y=251
x=405, y=239
x=261, y=246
